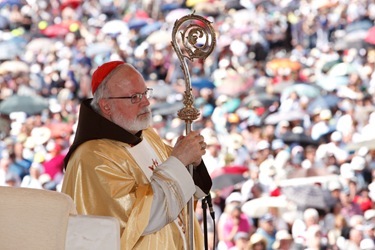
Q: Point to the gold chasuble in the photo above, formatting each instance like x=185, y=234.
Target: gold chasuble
x=110, y=182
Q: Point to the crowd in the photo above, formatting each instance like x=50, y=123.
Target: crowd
x=286, y=106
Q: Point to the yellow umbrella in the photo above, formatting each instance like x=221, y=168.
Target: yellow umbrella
x=283, y=63
x=191, y=3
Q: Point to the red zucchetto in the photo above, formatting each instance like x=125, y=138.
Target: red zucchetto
x=101, y=72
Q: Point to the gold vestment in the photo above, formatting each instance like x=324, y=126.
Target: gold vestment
x=102, y=180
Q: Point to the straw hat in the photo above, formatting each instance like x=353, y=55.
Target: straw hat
x=257, y=238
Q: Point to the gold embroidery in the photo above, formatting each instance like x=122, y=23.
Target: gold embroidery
x=181, y=221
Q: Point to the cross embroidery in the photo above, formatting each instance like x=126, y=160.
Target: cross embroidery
x=154, y=165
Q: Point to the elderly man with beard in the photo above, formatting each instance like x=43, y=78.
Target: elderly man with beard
x=119, y=166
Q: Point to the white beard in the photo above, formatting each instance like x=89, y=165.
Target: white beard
x=133, y=126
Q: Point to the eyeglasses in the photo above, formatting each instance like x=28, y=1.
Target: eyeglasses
x=136, y=98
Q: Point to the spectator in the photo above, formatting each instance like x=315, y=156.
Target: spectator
x=241, y=239
x=301, y=226
x=257, y=242
x=235, y=222
x=314, y=238
x=266, y=228
x=284, y=240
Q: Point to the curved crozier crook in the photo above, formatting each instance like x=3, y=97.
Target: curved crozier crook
x=197, y=40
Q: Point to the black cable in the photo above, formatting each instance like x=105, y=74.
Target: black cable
x=211, y=208
x=204, y=208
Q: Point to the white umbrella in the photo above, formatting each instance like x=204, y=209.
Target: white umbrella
x=173, y=15
x=14, y=66
x=114, y=27
x=294, y=115
x=98, y=49
x=342, y=69
x=41, y=44
x=258, y=207
x=159, y=37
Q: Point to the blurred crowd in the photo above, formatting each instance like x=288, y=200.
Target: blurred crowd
x=286, y=103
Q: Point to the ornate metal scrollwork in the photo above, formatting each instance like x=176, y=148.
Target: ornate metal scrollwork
x=196, y=41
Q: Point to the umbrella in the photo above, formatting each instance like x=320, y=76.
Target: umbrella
x=161, y=91
x=115, y=27
x=232, y=105
x=30, y=104
x=323, y=180
x=309, y=172
x=331, y=83
x=370, y=36
x=56, y=30
x=364, y=24
x=232, y=85
x=323, y=102
x=41, y=44
x=149, y=28
x=14, y=66
x=342, y=69
x=301, y=139
x=264, y=98
x=258, y=207
x=70, y=3
x=226, y=180
x=135, y=24
x=280, y=87
x=191, y=3
x=275, y=118
x=239, y=170
x=173, y=15
x=9, y=50
x=308, y=196
x=328, y=65
x=4, y=3
x=324, y=4
x=355, y=39
x=202, y=82
x=169, y=7
x=166, y=108
x=98, y=49
x=4, y=22
x=209, y=8
x=356, y=32
x=283, y=63
x=302, y=89
x=233, y=4
x=369, y=144
x=159, y=37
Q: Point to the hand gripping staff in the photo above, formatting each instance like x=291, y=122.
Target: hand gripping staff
x=197, y=38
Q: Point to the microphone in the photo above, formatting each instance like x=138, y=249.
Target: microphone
x=210, y=207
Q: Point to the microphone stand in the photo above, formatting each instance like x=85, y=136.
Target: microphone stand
x=207, y=201
x=191, y=28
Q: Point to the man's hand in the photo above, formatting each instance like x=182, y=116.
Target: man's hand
x=189, y=149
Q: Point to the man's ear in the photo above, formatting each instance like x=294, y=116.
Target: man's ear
x=104, y=106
